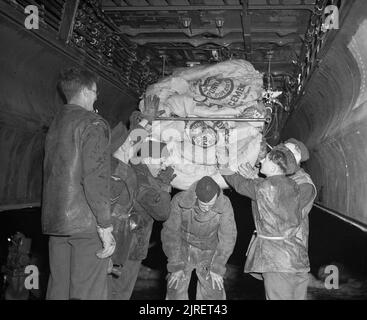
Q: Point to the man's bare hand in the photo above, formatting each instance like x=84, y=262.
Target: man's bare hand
x=247, y=171
x=166, y=175
x=216, y=280
x=175, y=278
x=151, y=105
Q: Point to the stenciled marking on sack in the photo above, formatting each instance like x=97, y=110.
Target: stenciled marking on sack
x=238, y=94
x=219, y=124
x=215, y=88
x=202, y=134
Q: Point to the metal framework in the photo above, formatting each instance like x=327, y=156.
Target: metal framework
x=68, y=20
x=211, y=119
x=207, y=8
x=246, y=28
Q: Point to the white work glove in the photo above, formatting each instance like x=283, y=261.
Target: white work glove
x=217, y=279
x=108, y=242
x=175, y=277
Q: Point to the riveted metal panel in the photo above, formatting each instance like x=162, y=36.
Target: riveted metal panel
x=331, y=119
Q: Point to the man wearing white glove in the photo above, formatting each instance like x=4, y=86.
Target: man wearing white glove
x=108, y=242
x=76, y=193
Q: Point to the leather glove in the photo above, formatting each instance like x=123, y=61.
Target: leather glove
x=108, y=242
x=166, y=175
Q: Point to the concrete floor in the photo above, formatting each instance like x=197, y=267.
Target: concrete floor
x=239, y=286
x=331, y=242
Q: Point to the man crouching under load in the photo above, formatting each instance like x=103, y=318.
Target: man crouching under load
x=199, y=234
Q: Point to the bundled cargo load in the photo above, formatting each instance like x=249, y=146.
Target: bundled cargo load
x=229, y=90
x=223, y=89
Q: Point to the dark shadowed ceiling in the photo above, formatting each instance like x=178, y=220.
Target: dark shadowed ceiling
x=202, y=31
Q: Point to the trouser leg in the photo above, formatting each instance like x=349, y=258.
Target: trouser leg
x=300, y=290
x=285, y=286
x=181, y=292
x=204, y=287
x=122, y=287
x=59, y=259
x=88, y=272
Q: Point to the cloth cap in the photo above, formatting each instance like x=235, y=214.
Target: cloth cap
x=304, y=151
x=206, y=189
x=291, y=165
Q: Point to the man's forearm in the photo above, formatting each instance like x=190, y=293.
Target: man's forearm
x=98, y=197
x=242, y=185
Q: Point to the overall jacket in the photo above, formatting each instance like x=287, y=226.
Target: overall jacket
x=213, y=233
x=76, y=182
x=277, y=212
x=308, y=194
x=137, y=200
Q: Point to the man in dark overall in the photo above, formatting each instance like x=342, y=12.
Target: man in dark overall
x=138, y=197
x=286, y=285
x=307, y=189
x=76, y=188
x=199, y=234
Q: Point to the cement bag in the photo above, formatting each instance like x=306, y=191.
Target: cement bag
x=186, y=106
x=174, y=130
x=227, y=92
x=166, y=131
x=208, y=146
x=165, y=88
x=184, y=152
x=235, y=68
x=228, y=84
x=188, y=141
x=238, y=145
x=131, y=145
x=186, y=171
x=187, y=175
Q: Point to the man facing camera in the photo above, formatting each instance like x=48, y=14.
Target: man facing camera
x=199, y=234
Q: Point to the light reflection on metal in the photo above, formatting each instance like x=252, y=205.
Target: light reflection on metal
x=307, y=7
x=210, y=119
x=340, y=216
x=219, y=22
x=186, y=22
